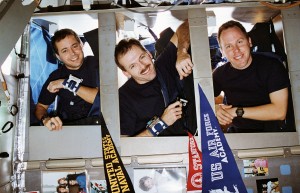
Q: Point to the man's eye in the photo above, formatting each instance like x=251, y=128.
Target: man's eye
x=143, y=56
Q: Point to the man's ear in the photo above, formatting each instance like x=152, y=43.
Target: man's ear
x=57, y=56
x=220, y=49
x=126, y=74
x=250, y=42
x=149, y=53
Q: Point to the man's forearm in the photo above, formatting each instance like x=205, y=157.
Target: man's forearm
x=145, y=133
x=40, y=111
x=268, y=112
x=276, y=110
x=183, y=37
x=88, y=94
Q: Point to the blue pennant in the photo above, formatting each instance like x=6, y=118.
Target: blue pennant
x=220, y=171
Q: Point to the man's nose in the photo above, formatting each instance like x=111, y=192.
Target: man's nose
x=142, y=65
x=73, y=51
x=236, y=48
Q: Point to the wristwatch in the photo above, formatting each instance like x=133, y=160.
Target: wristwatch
x=43, y=118
x=156, y=126
x=239, y=112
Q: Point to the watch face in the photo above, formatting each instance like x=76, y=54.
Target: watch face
x=239, y=111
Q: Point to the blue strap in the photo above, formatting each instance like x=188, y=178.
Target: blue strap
x=167, y=98
x=164, y=89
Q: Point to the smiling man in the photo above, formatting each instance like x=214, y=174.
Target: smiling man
x=148, y=105
x=76, y=83
x=255, y=86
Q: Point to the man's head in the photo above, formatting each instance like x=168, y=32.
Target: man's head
x=62, y=189
x=73, y=182
x=135, y=61
x=254, y=170
x=235, y=44
x=146, y=183
x=68, y=48
x=62, y=181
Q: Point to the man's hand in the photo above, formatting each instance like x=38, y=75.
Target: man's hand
x=172, y=113
x=55, y=85
x=53, y=123
x=225, y=114
x=184, y=64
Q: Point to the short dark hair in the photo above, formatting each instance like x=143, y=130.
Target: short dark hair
x=231, y=24
x=142, y=183
x=61, y=34
x=123, y=47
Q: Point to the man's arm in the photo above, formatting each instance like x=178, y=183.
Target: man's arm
x=276, y=110
x=181, y=39
x=171, y=114
x=145, y=133
x=40, y=110
x=86, y=93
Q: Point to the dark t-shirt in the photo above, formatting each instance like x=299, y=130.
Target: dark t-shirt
x=72, y=107
x=139, y=103
x=251, y=87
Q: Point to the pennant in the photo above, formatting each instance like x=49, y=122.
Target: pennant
x=116, y=176
x=194, y=182
x=220, y=171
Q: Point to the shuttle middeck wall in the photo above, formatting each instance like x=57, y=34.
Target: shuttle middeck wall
x=51, y=152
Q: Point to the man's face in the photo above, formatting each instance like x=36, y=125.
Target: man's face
x=235, y=46
x=64, y=190
x=138, y=65
x=254, y=171
x=149, y=183
x=72, y=182
x=63, y=181
x=70, y=52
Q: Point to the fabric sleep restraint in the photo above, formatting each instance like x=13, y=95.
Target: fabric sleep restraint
x=164, y=89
